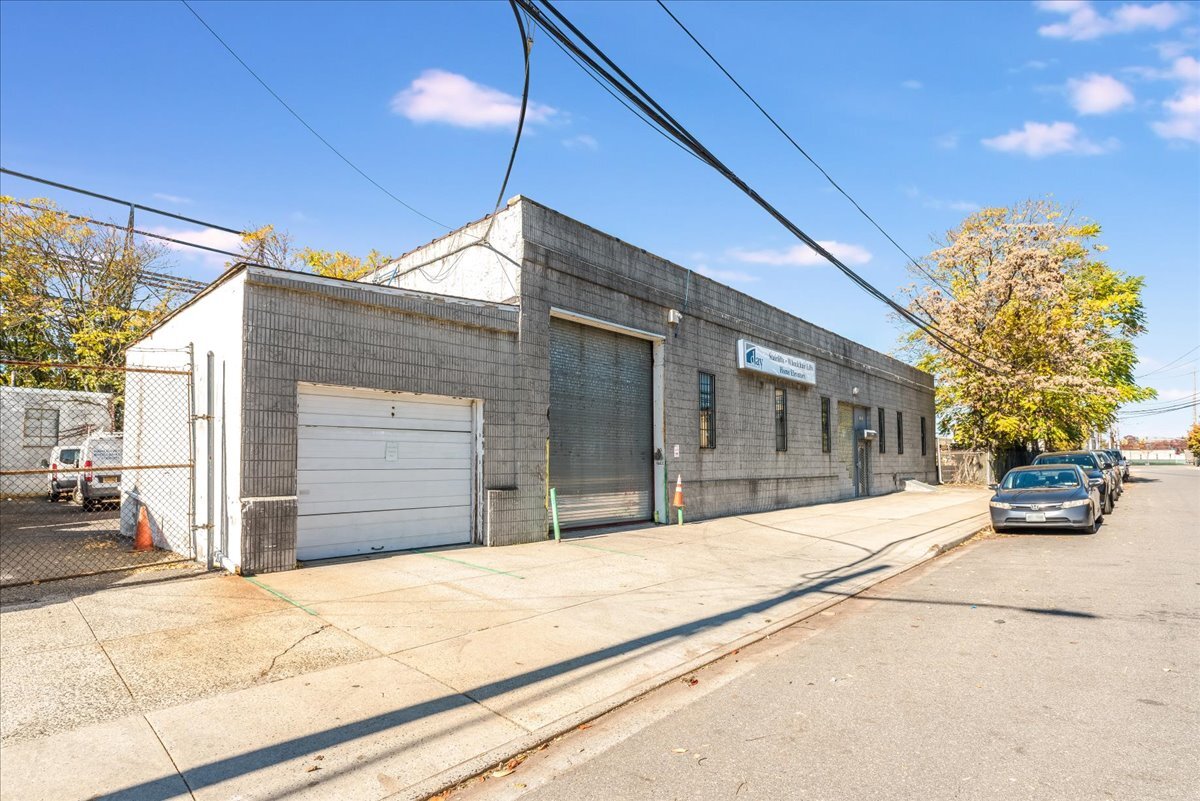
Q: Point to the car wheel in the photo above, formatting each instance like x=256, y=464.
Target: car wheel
x=1095, y=525
x=1108, y=504
x=55, y=496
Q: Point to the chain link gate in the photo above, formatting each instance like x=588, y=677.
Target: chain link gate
x=97, y=469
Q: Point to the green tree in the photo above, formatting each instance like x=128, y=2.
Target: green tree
x=1024, y=292
x=72, y=292
x=276, y=249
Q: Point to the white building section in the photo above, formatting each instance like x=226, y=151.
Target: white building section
x=382, y=471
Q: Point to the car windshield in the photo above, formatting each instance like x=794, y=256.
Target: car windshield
x=1081, y=459
x=1041, y=479
x=69, y=454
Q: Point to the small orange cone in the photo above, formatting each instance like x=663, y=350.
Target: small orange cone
x=143, y=540
x=678, y=492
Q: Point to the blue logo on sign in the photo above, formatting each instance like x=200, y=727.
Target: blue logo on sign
x=752, y=357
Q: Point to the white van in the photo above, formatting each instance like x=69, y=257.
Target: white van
x=95, y=483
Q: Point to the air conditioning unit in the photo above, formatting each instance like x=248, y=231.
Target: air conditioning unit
x=870, y=434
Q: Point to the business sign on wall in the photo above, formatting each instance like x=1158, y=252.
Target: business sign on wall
x=773, y=363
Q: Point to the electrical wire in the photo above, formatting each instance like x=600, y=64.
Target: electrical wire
x=128, y=203
x=80, y=218
x=303, y=122
x=800, y=149
x=621, y=82
x=1170, y=363
x=526, y=45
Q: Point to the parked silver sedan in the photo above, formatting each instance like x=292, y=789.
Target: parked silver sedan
x=1047, y=496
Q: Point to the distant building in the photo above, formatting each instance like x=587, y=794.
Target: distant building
x=34, y=420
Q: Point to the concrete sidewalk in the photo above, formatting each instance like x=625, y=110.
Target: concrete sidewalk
x=398, y=675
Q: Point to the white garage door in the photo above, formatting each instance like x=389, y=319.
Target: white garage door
x=381, y=471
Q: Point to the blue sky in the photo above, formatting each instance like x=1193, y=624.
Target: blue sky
x=923, y=111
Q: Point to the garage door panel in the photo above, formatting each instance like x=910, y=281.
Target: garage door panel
x=391, y=485
x=601, y=425
x=321, y=537
x=412, y=440
x=381, y=471
x=397, y=423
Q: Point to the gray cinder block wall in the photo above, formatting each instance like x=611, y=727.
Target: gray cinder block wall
x=569, y=265
x=336, y=332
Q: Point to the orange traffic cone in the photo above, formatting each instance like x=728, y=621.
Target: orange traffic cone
x=678, y=501
x=143, y=540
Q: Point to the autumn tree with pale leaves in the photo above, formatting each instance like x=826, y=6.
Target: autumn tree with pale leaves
x=273, y=248
x=72, y=292
x=1024, y=293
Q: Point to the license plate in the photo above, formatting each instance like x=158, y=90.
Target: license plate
x=105, y=480
x=1035, y=517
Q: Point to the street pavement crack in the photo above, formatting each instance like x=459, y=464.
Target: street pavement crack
x=287, y=650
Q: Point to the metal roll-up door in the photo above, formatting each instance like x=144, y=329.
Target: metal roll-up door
x=381, y=471
x=601, y=425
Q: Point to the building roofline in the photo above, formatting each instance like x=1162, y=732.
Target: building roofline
x=309, y=278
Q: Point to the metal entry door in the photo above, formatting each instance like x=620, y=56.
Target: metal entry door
x=862, y=453
x=601, y=425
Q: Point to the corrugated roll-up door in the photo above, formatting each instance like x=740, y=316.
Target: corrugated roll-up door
x=601, y=425
x=381, y=471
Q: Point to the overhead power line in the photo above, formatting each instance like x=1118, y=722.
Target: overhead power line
x=127, y=203
x=797, y=146
x=1171, y=363
x=615, y=77
x=304, y=122
x=92, y=221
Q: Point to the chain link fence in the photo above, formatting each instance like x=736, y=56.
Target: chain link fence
x=96, y=469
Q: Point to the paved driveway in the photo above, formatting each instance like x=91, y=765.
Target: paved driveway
x=359, y=679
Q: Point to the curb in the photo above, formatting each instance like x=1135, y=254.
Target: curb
x=480, y=764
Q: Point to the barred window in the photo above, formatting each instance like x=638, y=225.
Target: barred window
x=708, y=410
x=899, y=432
x=41, y=427
x=924, y=448
x=881, y=433
x=826, y=434
x=780, y=419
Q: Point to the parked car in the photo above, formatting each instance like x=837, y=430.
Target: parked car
x=1092, y=467
x=1113, y=470
x=1120, y=459
x=95, y=483
x=63, y=457
x=1047, y=496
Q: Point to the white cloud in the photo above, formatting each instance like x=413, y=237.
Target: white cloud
x=441, y=96
x=177, y=199
x=581, y=142
x=1171, y=50
x=1084, y=22
x=1183, y=117
x=947, y=141
x=803, y=255
x=937, y=203
x=911, y=84
x=1038, y=139
x=1035, y=64
x=727, y=276
x=1098, y=94
x=208, y=237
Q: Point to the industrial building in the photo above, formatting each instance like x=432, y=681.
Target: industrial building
x=439, y=400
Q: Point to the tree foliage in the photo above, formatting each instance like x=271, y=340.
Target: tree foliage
x=274, y=248
x=1193, y=440
x=72, y=292
x=1023, y=291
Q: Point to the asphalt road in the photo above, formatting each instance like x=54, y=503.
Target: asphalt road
x=1047, y=666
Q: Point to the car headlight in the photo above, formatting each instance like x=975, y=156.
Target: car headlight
x=999, y=505
x=1073, y=504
